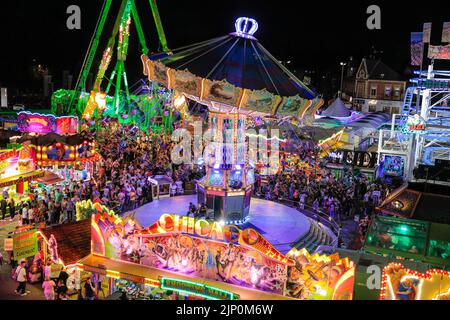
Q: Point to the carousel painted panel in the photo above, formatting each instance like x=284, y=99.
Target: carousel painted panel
x=260, y=100
x=158, y=72
x=222, y=91
x=293, y=106
x=186, y=82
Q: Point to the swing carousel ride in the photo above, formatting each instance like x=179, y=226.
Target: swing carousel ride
x=241, y=84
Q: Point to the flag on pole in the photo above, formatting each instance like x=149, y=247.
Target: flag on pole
x=426, y=32
x=416, y=48
x=446, y=32
x=439, y=52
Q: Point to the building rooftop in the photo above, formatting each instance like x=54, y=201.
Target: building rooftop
x=73, y=240
x=378, y=70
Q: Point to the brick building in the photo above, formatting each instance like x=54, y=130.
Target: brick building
x=375, y=87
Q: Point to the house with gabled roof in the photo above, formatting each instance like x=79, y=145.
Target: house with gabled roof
x=375, y=88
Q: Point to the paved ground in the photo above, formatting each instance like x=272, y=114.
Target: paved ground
x=7, y=284
x=278, y=223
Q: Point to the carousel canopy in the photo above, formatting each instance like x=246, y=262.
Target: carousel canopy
x=238, y=71
x=337, y=110
x=242, y=62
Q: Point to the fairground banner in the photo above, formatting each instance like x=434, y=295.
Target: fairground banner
x=426, y=32
x=416, y=48
x=25, y=244
x=209, y=250
x=46, y=123
x=446, y=32
x=439, y=52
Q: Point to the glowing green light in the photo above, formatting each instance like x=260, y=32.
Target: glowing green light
x=197, y=289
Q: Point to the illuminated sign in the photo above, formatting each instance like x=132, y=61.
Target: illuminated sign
x=8, y=245
x=199, y=227
x=25, y=244
x=415, y=124
x=197, y=289
x=8, y=154
x=335, y=138
x=28, y=178
x=354, y=158
x=46, y=123
x=401, y=283
x=439, y=52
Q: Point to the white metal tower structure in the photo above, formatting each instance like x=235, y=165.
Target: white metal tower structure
x=429, y=97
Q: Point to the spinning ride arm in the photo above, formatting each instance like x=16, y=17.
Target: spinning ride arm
x=138, y=25
x=107, y=54
x=81, y=84
x=159, y=27
x=94, y=47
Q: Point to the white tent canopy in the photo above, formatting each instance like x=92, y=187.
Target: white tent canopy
x=337, y=110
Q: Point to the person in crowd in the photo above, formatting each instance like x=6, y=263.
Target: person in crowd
x=49, y=288
x=63, y=276
x=89, y=290
x=61, y=289
x=3, y=205
x=21, y=278
x=12, y=209
x=31, y=215
x=25, y=214
x=47, y=269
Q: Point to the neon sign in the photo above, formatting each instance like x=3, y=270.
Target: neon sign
x=46, y=123
x=401, y=283
x=200, y=227
x=197, y=289
x=9, y=154
x=171, y=223
x=415, y=124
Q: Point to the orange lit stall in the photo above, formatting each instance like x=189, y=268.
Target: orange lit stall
x=205, y=259
x=68, y=157
x=17, y=170
x=401, y=283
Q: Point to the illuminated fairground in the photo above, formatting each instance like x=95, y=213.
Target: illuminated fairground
x=223, y=176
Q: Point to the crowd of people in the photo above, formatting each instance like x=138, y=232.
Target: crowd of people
x=56, y=286
x=120, y=180
x=304, y=181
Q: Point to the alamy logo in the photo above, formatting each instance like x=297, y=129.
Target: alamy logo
x=226, y=148
x=374, y=280
x=74, y=20
x=374, y=20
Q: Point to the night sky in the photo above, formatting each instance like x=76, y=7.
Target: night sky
x=314, y=34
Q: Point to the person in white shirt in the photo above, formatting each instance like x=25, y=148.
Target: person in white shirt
x=21, y=277
x=25, y=214
x=31, y=215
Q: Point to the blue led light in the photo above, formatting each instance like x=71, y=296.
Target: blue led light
x=246, y=27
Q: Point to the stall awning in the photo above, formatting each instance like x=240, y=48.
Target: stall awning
x=26, y=177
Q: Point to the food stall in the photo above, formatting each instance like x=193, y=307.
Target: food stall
x=17, y=170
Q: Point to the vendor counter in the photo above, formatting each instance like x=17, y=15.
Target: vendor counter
x=147, y=275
